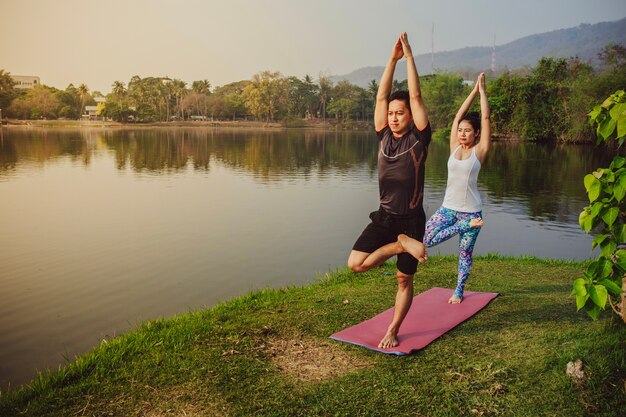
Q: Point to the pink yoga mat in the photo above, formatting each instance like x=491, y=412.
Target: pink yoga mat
x=430, y=316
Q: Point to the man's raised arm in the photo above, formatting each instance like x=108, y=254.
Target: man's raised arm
x=382, y=96
x=418, y=110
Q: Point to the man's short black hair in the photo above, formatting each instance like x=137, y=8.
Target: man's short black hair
x=401, y=95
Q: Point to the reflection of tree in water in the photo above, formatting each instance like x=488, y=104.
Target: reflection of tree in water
x=39, y=146
x=547, y=179
x=269, y=155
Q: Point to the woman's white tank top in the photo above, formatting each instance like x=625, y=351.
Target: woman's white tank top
x=462, y=189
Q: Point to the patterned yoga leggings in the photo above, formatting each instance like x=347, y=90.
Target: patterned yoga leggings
x=446, y=223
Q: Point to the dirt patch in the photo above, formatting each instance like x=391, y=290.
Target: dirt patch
x=310, y=359
x=185, y=400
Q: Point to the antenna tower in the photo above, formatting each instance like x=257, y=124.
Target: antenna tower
x=493, y=56
x=432, y=52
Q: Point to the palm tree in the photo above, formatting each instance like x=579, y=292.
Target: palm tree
x=179, y=90
x=83, y=92
x=118, y=88
x=201, y=86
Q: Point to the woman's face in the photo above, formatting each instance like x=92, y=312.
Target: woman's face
x=466, y=133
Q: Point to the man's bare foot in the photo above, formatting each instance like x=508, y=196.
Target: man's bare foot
x=414, y=247
x=390, y=340
x=455, y=299
x=478, y=222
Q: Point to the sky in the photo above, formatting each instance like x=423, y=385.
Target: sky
x=99, y=42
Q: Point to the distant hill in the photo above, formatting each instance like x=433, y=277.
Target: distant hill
x=584, y=41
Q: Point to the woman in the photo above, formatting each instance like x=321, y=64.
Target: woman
x=461, y=210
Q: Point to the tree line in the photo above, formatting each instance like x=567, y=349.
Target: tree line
x=547, y=102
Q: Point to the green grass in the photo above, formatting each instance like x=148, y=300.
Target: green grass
x=510, y=359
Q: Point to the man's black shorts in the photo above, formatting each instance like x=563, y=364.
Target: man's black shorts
x=385, y=229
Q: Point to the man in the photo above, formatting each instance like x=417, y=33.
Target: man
x=397, y=228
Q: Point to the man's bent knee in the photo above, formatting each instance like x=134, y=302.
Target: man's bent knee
x=356, y=267
x=356, y=260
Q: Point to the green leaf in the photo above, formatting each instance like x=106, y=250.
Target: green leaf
x=621, y=127
x=618, y=192
x=580, y=287
x=608, y=102
x=580, y=301
x=596, y=208
x=598, y=295
x=609, y=215
x=593, y=114
x=611, y=286
x=622, y=180
x=582, y=220
x=607, y=127
x=593, y=310
x=607, y=247
x=593, y=187
x=621, y=234
x=605, y=268
x=598, y=239
x=618, y=162
x=620, y=259
x=617, y=111
x=588, y=224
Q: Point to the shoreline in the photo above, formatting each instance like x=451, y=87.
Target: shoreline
x=319, y=125
x=247, y=124
x=313, y=125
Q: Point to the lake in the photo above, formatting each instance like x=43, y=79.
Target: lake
x=104, y=228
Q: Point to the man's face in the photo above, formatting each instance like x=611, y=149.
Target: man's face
x=398, y=117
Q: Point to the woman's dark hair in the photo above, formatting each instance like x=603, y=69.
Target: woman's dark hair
x=474, y=119
x=401, y=95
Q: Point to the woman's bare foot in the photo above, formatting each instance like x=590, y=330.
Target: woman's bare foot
x=414, y=247
x=455, y=299
x=390, y=340
x=477, y=222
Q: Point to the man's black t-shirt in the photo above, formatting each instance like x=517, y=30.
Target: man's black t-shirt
x=401, y=169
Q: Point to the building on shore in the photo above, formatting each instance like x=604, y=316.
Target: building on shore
x=95, y=112
x=25, y=81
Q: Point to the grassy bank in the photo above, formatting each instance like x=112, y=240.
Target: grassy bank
x=268, y=353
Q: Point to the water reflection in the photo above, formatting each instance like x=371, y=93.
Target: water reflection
x=267, y=154
x=545, y=179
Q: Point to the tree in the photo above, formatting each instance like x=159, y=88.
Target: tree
x=302, y=96
x=227, y=101
x=69, y=99
x=44, y=103
x=83, y=92
x=606, y=188
x=117, y=107
x=346, y=100
x=7, y=90
x=443, y=94
x=201, y=87
x=325, y=85
x=342, y=108
x=267, y=96
x=613, y=55
x=178, y=89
